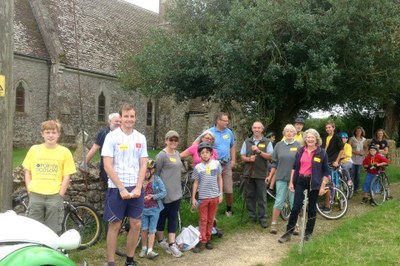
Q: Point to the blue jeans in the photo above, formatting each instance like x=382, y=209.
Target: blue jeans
x=356, y=175
x=367, y=182
x=301, y=185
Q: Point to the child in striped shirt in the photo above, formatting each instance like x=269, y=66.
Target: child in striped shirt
x=208, y=180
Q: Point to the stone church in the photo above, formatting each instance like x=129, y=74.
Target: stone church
x=66, y=55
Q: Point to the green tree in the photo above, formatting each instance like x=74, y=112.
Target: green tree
x=271, y=56
x=276, y=58
x=365, y=36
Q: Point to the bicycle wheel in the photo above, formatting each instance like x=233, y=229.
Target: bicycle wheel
x=285, y=212
x=122, y=236
x=386, y=183
x=339, y=204
x=377, y=190
x=186, y=192
x=86, y=221
x=20, y=204
x=344, y=187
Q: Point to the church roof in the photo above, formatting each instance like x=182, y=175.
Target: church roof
x=106, y=30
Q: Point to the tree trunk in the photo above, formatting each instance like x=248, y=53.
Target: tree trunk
x=391, y=123
x=7, y=100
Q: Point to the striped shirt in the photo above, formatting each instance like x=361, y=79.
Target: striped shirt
x=126, y=151
x=207, y=175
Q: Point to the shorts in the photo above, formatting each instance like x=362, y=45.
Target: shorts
x=227, y=178
x=150, y=219
x=116, y=209
x=281, y=192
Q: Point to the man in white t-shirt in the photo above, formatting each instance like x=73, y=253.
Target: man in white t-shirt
x=125, y=159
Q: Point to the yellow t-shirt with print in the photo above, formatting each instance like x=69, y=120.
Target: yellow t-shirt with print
x=47, y=167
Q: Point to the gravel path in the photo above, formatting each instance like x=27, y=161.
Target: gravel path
x=258, y=246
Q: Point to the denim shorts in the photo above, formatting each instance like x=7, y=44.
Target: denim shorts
x=116, y=208
x=150, y=219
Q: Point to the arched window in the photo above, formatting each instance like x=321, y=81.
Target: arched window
x=20, y=98
x=149, y=113
x=101, y=111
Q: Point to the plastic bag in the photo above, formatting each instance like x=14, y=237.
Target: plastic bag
x=188, y=238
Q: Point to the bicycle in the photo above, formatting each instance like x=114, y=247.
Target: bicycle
x=81, y=217
x=380, y=187
x=347, y=189
x=124, y=230
x=338, y=201
x=185, y=181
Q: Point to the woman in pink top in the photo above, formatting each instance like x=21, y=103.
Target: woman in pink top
x=206, y=136
x=310, y=171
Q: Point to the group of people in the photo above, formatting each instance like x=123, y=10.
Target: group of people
x=304, y=165
x=149, y=192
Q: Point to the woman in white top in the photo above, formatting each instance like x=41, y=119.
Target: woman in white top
x=357, y=142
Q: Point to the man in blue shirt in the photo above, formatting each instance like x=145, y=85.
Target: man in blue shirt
x=224, y=144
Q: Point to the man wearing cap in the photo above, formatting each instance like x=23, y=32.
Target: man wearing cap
x=255, y=153
x=125, y=159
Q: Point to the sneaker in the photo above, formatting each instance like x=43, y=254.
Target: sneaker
x=364, y=200
x=274, y=229
x=307, y=238
x=285, y=238
x=228, y=213
x=142, y=253
x=133, y=263
x=263, y=223
x=296, y=231
x=199, y=247
x=371, y=202
x=151, y=255
x=350, y=183
x=326, y=209
x=209, y=245
x=174, y=251
x=164, y=245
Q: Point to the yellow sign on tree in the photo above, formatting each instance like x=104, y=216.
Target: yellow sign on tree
x=2, y=86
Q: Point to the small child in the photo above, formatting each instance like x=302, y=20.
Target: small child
x=208, y=179
x=154, y=192
x=371, y=163
x=346, y=161
x=48, y=167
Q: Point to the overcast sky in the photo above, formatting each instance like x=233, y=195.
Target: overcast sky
x=148, y=4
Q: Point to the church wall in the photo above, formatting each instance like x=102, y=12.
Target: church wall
x=33, y=74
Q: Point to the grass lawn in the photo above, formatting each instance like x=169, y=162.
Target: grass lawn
x=370, y=239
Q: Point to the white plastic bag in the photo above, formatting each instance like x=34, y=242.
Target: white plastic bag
x=188, y=238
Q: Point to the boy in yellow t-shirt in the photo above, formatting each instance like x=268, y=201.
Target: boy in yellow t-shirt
x=346, y=159
x=48, y=167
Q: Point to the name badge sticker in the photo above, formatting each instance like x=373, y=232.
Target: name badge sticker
x=123, y=147
x=171, y=159
x=262, y=145
x=293, y=149
x=208, y=169
x=225, y=137
x=316, y=159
